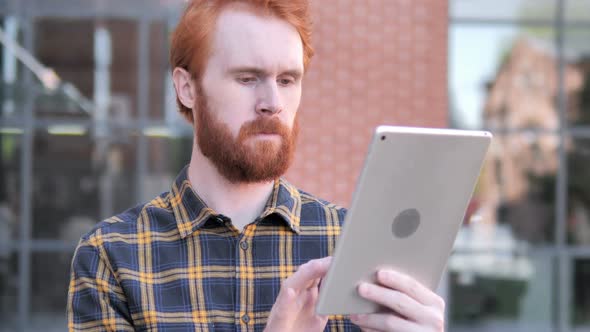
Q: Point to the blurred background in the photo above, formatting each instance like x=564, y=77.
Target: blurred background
x=89, y=127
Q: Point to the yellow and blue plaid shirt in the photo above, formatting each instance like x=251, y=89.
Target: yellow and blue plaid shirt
x=174, y=264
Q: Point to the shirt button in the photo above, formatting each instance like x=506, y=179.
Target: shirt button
x=244, y=245
x=245, y=318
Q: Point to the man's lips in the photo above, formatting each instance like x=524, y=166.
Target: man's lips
x=266, y=133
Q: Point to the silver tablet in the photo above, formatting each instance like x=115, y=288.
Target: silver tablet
x=408, y=206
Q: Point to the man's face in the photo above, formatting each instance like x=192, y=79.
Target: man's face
x=247, y=100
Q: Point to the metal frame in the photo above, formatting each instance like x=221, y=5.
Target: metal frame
x=143, y=77
x=529, y=22
x=24, y=253
x=563, y=276
x=131, y=9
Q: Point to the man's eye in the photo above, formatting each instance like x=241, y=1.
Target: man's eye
x=247, y=79
x=285, y=81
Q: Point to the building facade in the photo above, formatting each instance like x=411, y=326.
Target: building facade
x=109, y=136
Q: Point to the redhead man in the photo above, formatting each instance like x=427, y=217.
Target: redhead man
x=233, y=246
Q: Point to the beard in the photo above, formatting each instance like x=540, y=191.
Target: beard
x=245, y=159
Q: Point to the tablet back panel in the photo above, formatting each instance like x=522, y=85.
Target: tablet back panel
x=406, y=211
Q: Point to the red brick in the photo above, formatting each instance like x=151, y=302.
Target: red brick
x=377, y=62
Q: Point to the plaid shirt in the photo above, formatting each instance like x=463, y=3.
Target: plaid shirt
x=174, y=264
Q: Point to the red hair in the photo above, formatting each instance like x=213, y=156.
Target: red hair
x=191, y=40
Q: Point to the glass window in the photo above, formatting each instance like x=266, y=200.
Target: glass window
x=9, y=282
x=12, y=95
x=10, y=186
x=49, y=288
x=502, y=77
x=102, y=73
x=517, y=186
x=65, y=188
x=581, y=295
x=159, y=69
x=13, y=92
x=78, y=180
x=119, y=175
x=167, y=156
x=577, y=78
x=577, y=11
x=124, y=66
x=503, y=9
x=578, y=157
x=501, y=287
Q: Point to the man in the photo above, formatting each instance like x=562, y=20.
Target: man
x=232, y=246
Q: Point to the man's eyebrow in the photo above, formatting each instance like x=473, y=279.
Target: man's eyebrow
x=251, y=70
x=296, y=73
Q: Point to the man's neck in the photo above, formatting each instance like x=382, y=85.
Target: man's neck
x=242, y=203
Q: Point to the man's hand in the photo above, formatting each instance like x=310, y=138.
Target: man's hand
x=294, y=308
x=409, y=305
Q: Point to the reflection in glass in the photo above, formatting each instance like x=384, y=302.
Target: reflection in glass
x=163, y=107
x=12, y=91
x=49, y=288
x=504, y=9
x=63, y=183
x=577, y=11
x=581, y=295
x=119, y=175
x=125, y=57
x=159, y=69
x=578, y=48
x=517, y=186
x=578, y=156
x=502, y=77
x=75, y=185
x=103, y=70
x=10, y=185
x=8, y=290
x=502, y=288
x=54, y=42
x=167, y=156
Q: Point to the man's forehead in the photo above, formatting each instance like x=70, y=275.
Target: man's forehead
x=244, y=38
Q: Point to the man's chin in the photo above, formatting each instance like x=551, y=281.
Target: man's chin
x=264, y=144
x=258, y=138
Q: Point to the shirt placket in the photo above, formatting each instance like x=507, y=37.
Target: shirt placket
x=244, y=314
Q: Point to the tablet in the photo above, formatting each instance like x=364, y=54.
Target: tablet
x=406, y=211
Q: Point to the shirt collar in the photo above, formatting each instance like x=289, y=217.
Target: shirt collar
x=191, y=213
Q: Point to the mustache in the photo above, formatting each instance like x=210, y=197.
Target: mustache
x=264, y=126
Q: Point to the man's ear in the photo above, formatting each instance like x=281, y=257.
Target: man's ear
x=184, y=86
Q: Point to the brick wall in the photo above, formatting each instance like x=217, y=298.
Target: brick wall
x=377, y=62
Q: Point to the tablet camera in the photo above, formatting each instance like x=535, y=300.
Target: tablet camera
x=406, y=223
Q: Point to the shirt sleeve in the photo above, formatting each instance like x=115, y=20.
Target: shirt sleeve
x=96, y=301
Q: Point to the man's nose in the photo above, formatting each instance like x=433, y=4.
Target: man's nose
x=269, y=101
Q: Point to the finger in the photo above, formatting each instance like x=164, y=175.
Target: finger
x=314, y=290
x=400, y=303
x=311, y=299
x=307, y=274
x=411, y=287
x=282, y=311
x=383, y=322
x=285, y=299
x=315, y=283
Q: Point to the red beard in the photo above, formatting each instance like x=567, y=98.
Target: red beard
x=237, y=160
